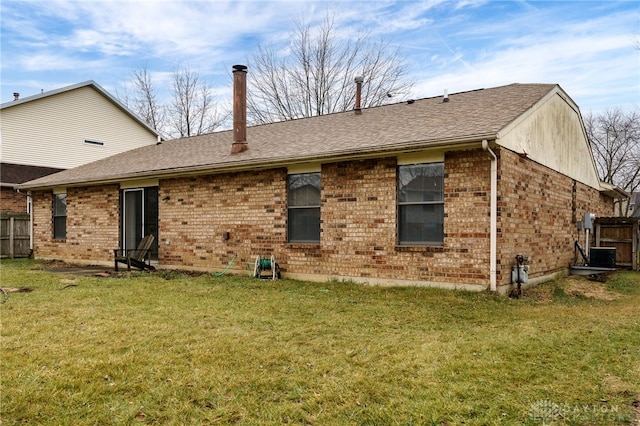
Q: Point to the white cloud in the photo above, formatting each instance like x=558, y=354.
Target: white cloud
x=592, y=58
x=53, y=62
x=459, y=45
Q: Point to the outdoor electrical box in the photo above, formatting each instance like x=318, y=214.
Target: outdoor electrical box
x=589, y=219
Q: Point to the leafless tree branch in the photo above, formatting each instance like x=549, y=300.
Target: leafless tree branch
x=614, y=136
x=191, y=109
x=316, y=76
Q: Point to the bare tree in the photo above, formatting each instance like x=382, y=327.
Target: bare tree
x=193, y=110
x=316, y=77
x=190, y=109
x=145, y=100
x=140, y=96
x=614, y=136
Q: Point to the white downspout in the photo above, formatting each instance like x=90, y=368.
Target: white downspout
x=30, y=211
x=494, y=217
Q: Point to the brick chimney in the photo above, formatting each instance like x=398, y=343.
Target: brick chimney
x=239, y=109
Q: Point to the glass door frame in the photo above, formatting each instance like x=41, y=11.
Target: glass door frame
x=146, y=196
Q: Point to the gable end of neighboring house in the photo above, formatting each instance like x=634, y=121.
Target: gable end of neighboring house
x=63, y=129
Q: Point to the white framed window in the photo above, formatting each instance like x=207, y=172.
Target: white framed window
x=60, y=216
x=421, y=204
x=303, y=204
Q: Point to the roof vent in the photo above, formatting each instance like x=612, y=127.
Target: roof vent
x=445, y=97
x=16, y=96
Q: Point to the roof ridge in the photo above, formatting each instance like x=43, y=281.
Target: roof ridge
x=364, y=109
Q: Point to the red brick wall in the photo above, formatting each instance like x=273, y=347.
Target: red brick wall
x=251, y=206
x=92, y=224
x=358, y=223
x=467, y=221
x=12, y=201
x=538, y=209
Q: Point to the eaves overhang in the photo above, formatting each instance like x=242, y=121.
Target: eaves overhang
x=613, y=191
x=467, y=142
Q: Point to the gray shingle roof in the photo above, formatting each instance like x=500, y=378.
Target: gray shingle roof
x=18, y=173
x=472, y=115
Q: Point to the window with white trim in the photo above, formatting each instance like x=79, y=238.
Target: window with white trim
x=59, y=216
x=421, y=204
x=303, y=207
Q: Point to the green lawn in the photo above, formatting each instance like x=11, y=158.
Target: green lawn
x=167, y=348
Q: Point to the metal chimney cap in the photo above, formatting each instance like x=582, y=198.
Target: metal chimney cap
x=359, y=79
x=239, y=67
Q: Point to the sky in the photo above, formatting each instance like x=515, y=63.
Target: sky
x=590, y=48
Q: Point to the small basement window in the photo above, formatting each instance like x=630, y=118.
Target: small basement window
x=92, y=142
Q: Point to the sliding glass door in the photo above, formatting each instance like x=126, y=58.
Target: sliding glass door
x=140, y=217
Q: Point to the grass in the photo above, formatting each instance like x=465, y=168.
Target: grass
x=176, y=349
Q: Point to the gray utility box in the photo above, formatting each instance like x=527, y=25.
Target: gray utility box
x=524, y=274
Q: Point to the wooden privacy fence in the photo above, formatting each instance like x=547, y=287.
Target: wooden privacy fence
x=622, y=233
x=14, y=235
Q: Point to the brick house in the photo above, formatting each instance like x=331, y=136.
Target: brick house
x=443, y=191
x=61, y=129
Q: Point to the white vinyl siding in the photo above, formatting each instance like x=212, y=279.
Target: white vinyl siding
x=552, y=134
x=51, y=131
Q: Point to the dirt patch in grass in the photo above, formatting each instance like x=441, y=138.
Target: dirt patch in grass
x=573, y=287
x=56, y=264
x=580, y=286
x=17, y=289
x=59, y=266
x=542, y=293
